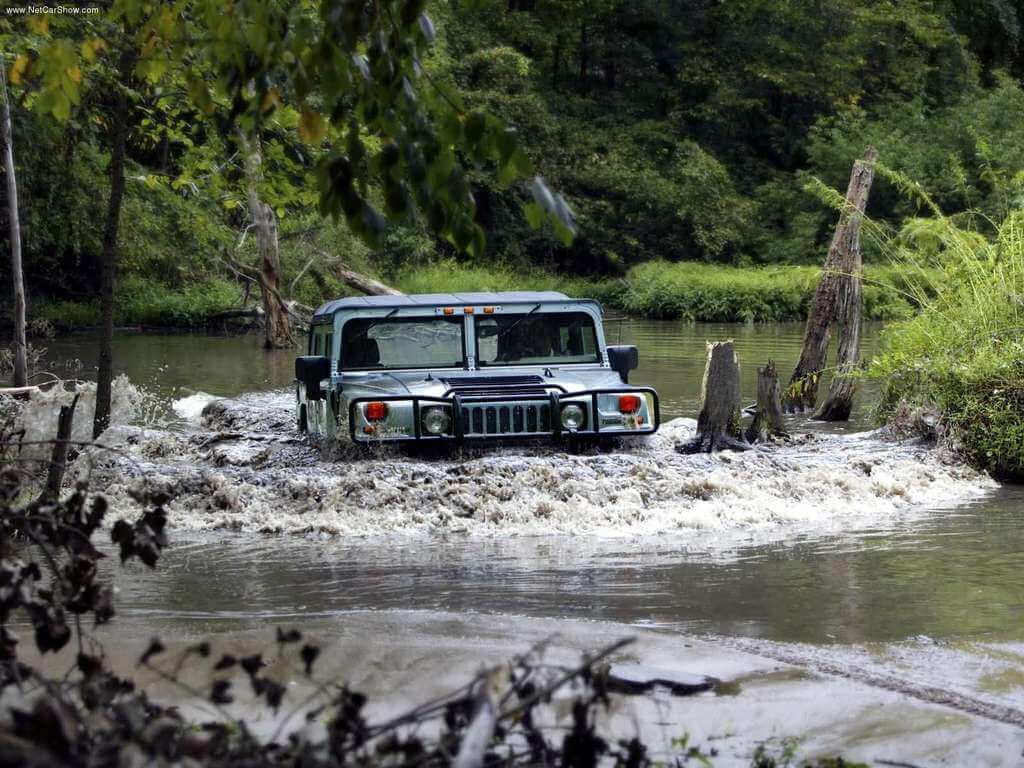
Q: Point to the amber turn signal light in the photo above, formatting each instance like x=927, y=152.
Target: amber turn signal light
x=629, y=403
x=376, y=411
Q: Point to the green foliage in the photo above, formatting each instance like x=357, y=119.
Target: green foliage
x=458, y=277
x=702, y=132
x=729, y=294
x=964, y=352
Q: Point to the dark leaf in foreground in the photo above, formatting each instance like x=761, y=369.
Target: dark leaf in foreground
x=309, y=655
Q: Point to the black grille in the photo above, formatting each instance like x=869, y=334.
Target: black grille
x=497, y=419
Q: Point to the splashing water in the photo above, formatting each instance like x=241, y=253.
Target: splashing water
x=244, y=468
x=36, y=418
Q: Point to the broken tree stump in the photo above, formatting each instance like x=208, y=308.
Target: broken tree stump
x=59, y=458
x=839, y=401
x=843, y=259
x=718, y=424
x=767, y=421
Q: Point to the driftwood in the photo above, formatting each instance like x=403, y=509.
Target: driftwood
x=718, y=424
x=841, y=264
x=767, y=421
x=59, y=458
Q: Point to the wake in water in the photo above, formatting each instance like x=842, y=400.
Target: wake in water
x=240, y=465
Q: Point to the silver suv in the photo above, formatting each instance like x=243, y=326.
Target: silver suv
x=467, y=367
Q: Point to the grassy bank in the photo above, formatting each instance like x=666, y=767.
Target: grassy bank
x=683, y=290
x=662, y=290
x=964, y=353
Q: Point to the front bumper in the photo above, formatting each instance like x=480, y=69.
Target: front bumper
x=503, y=417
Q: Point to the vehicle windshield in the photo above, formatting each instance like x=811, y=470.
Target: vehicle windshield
x=544, y=338
x=369, y=343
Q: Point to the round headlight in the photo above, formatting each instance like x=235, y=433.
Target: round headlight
x=572, y=417
x=436, y=420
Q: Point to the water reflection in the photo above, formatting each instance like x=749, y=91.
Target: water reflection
x=672, y=358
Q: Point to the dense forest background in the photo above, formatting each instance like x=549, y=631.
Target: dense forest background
x=684, y=131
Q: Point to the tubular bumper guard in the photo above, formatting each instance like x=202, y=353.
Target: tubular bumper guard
x=473, y=411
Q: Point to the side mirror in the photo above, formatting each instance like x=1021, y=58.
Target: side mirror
x=310, y=371
x=623, y=359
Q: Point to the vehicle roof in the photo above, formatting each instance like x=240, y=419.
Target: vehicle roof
x=328, y=309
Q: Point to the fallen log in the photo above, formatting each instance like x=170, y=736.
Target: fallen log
x=19, y=390
x=767, y=422
x=366, y=284
x=718, y=424
x=843, y=253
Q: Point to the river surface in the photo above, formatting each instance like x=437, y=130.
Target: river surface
x=871, y=555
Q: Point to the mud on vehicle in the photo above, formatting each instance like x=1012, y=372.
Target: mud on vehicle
x=467, y=367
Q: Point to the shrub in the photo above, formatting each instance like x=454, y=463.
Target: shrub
x=964, y=353
x=693, y=291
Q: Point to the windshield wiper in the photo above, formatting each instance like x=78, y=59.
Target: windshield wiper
x=512, y=327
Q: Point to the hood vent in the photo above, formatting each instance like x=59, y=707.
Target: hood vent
x=470, y=386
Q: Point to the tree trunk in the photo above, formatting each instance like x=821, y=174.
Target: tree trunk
x=768, y=419
x=718, y=425
x=7, y=137
x=584, y=55
x=366, y=284
x=802, y=393
x=839, y=401
x=277, y=326
x=59, y=458
x=108, y=270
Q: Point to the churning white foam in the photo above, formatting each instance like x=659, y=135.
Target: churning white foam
x=191, y=408
x=35, y=419
x=246, y=470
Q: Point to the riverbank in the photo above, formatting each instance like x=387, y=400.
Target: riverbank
x=962, y=357
x=687, y=291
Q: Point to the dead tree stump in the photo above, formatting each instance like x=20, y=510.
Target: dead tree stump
x=843, y=259
x=768, y=419
x=59, y=458
x=839, y=401
x=718, y=425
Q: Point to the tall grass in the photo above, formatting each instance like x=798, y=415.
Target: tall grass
x=450, y=276
x=676, y=291
x=964, y=352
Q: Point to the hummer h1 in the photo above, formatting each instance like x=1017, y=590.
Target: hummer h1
x=436, y=368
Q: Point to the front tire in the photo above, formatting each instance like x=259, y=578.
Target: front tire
x=303, y=419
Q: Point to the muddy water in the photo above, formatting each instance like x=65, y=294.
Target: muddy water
x=671, y=359
x=797, y=544
x=843, y=554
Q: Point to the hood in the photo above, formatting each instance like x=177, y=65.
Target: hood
x=518, y=381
